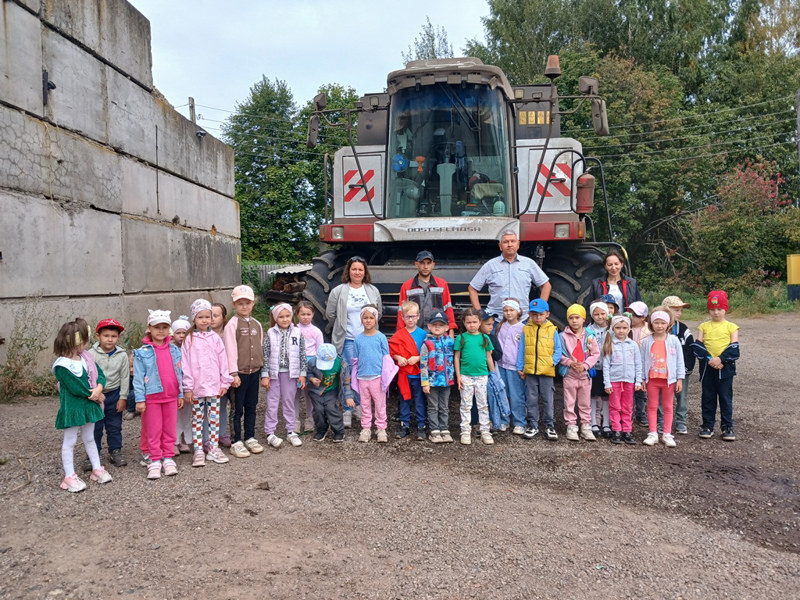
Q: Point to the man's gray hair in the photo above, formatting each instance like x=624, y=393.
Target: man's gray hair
x=508, y=232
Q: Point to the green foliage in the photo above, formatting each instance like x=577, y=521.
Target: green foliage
x=430, y=43
x=133, y=335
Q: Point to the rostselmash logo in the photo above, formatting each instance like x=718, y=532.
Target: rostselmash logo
x=442, y=229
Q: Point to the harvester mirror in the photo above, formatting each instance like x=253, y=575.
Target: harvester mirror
x=588, y=85
x=320, y=101
x=599, y=116
x=313, y=131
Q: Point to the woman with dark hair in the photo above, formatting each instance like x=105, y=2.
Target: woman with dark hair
x=624, y=289
x=343, y=311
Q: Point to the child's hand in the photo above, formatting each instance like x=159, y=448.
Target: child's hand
x=401, y=362
x=180, y=403
x=715, y=363
x=188, y=397
x=608, y=391
x=140, y=408
x=350, y=403
x=315, y=381
x=265, y=382
x=426, y=389
x=302, y=381
x=678, y=386
x=236, y=381
x=121, y=404
x=97, y=391
x=413, y=360
x=222, y=392
x=460, y=384
x=102, y=399
x=638, y=387
x=521, y=375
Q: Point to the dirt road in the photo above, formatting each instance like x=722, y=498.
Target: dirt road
x=410, y=519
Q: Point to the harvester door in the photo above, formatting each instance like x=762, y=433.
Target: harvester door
x=354, y=194
x=559, y=191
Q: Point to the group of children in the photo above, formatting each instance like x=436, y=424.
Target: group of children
x=181, y=376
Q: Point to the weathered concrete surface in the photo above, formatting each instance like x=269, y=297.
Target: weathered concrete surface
x=109, y=202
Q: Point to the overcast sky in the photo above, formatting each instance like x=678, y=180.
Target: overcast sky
x=215, y=50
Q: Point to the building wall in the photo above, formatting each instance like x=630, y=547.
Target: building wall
x=110, y=203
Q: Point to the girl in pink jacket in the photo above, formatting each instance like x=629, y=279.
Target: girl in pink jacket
x=206, y=378
x=580, y=353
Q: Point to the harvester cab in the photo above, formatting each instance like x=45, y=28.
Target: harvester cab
x=448, y=158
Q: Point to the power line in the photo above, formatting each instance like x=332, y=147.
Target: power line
x=682, y=158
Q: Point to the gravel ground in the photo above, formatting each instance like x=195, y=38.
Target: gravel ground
x=410, y=519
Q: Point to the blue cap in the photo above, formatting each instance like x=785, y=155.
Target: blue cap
x=538, y=306
x=438, y=317
x=486, y=315
x=609, y=299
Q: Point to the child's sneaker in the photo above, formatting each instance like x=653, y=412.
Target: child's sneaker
x=347, y=417
x=308, y=424
x=628, y=438
x=403, y=431
x=128, y=415
x=518, y=430
x=338, y=438
x=668, y=440
x=446, y=437
x=272, y=439
x=198, y=458
x=294, y=439
x=587, y=434
x=728, y=435
x=706, y=433
x=154, y=470
x=572, y=433
x=365, y=435
x=466, y=438
x=101, y=476
x=503, y=427
x=421, y=437
x=320, y=435
x=184, y=448
x=170, y=468
x=550, y=434
x=216, y=455
x=239, y=451
x=382, y=437
x=145, y=462
x=225, y=441
x=435, y=436
x=487, y=438
x=651, y=439
x=118, y=458
x=73, y=484
x=616, y=437
x=530, y=433
x=254, y=447
x=681, y=429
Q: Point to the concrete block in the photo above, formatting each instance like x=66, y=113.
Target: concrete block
x=58, y=249
x=138, y=189
x=21, y=58
x=33, y=5
x=178, y=303
x=38, y=159
x=197, y=207
x=170, y=258
x=80, y=100
x=132, y=118
x=114, y=30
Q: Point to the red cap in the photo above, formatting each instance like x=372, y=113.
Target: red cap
x=109, y=324
x=717, y=299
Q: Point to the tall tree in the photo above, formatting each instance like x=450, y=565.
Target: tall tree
x=430, y=43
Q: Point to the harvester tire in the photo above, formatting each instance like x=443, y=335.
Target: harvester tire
x=571, y=272
x=324, y=275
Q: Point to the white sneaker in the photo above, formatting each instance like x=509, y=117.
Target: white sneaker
x=503, y=427
x=365, y=435
x=239, y=451
x=73, y=484
x=586, y=433
x=294, y=439
x=518, y=430
x=347, y=417
x=487, y=438
x=572, y=433
x=382, y=437
x=651, y=439
x=466, y=438
x=273, y=440
x=435, y=436
x=446, y=437
x=668, y=440
x=253, y=445
x=101, y=476
x=215, y=455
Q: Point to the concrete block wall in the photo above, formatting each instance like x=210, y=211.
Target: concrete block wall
x=109, y=202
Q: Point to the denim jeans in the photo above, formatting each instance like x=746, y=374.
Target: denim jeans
x=539, y=386
x=420, y=404
x=515, y=389
x=348, y=352
x=112, y=422
x=682, y=403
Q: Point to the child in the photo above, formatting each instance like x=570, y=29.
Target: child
x=113, y=361
x=157, y=380
x=684, y=335
x=244, y=340
x=219, y=314
x=285, y=367
x=611, y=303
x=579, y=353
x=539, y=353
x=472, y=363
x=371, y=349
x=717, y=348
x=79, y=404
x=405, y=347
x=206, y=378
x=639, y=331
x=180, y=327
x=622, y=375
x=497, y=398
x=313, y=337
x=328, y=373
x=663, y=372
x=599, y=328
x=509, y=334
x=437, y=375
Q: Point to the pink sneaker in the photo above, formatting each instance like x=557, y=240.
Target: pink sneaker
x=198, y=459
x=170, y=468
x=101, y=476
x=216, y=455
x=73, y=484
x=184, y=448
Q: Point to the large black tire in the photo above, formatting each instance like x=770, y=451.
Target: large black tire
x=325, y=274
x=571, y=270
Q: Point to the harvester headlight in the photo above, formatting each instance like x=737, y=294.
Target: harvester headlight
x=562, y=230
x=338, y=233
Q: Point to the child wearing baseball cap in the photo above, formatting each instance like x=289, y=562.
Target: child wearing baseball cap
x=684, y=335
x=437, y=375
x=328, y=381
x=717, y=349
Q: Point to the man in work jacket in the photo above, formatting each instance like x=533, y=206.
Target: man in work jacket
x=430, y=293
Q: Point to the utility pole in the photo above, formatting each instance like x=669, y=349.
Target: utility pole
x=194, y=119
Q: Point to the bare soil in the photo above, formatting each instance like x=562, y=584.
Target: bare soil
x=410, y=519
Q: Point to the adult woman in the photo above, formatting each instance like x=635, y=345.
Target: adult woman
x=624, y=289
x=343, y=310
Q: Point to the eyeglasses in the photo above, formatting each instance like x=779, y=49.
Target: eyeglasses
x=411, y=316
